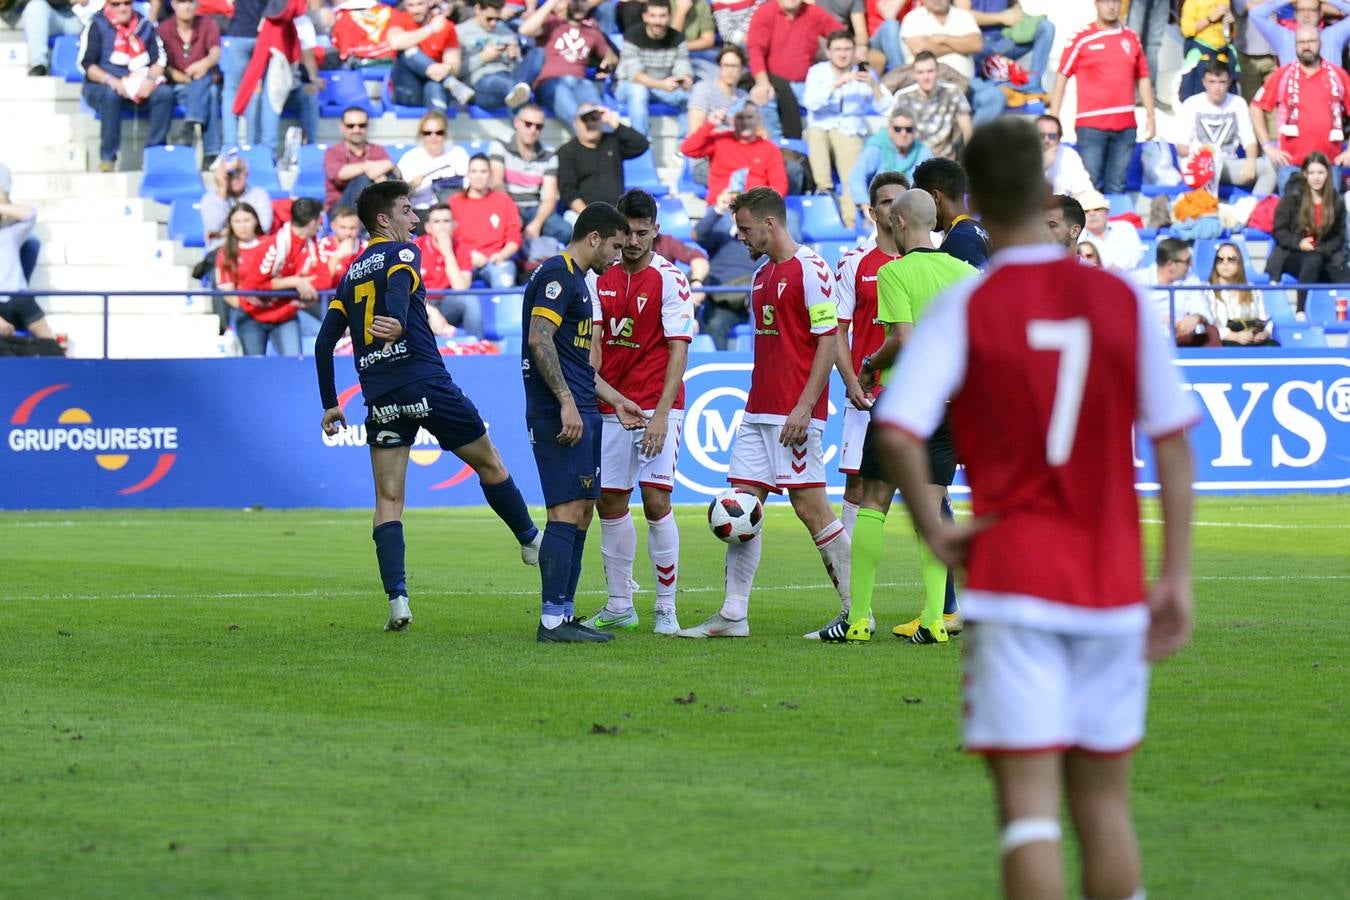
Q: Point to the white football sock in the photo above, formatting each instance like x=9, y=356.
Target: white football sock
x=663, y=546
x=742, y=561
x=849, y=516
x=618, y=546
x=836, y=550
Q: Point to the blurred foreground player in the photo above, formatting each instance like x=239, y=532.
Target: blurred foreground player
x=405, y=386
x=561, y=412
x=1049, y=364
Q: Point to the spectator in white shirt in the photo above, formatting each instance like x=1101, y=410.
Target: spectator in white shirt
x=1172, y=265
x=838, y=98
x=1064, y=168
x=1222, y=121
x=435, y=168
x=1117, y=242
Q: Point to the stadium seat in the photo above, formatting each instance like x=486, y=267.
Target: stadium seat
x=475, y=147
x=686, y=183
x=640, y=172
x=674, y=219
x=1120, y=204
x=702, y=343
x=262, y=171
x=309, y=179
x=185, y=222
x=29, y=251
x=478, y=112
x=832, y=251
x=795, y=144
x=65, y=58
x=1307, y=338
x=343, y=88
x=396, y=151
x=744, y=344
x=741, y=329
x=819, y=219
x=501, y=316
x=1321, y=310
x=171, y=172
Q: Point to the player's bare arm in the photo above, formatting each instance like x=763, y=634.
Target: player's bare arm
x=546, y=364
x=799, y=420
x=629, y=414
x=884, y=358
x=659, y=424
x=855, y=392
x=905, y=459
x=1170, y=602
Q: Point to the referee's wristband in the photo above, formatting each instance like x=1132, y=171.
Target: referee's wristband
x=867, y=363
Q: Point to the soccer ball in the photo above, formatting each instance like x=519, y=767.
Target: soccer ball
x=735, y=516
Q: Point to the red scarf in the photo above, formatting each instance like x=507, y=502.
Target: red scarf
x=1287, y=90
x=128, y=48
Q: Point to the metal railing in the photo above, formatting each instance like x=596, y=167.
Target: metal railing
x=106, y=297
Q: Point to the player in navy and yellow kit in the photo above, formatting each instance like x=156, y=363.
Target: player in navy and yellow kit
x=405, y=386
x=561, y=413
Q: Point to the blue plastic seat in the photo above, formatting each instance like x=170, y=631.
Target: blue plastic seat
x=478, y=112
x=741, y=329
x=745, y=344
x=1120, y=204
x=1308, y=338
x=65, y=58
x=795, y=144
x=819, y=218
x=702, y=343
x=170, y=173
x=185, y=222
x=309, y=179
x=833, y=251
x=640, y=172
x=1321, y=310
x=262, y=171
x=473, y=148
x=686, y=183
x=501, y=316
x=343, y=88
x=674, y=219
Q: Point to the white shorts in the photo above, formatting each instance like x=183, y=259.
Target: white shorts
x=1029, y=690
x=758, y=458
x=855, y=432
x=622, y=465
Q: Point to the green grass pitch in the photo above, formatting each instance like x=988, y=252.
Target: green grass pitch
x=203, y=703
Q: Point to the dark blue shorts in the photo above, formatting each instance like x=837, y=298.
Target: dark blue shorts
x=437, y=404
x=567, y=473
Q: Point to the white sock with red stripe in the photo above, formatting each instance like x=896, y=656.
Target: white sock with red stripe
x=836, y=549
x=848, y=516
x=618, y=547
x=742, y=561
x=663, y=546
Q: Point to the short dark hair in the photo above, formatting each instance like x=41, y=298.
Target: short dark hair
x=840, y=34
x=762, y=203
x=379, y=198
x=923, y=56
x=732, y=48
x=342, y=209
x=305, y=210
x=943, y=175
x=1168, y=249
x=601, y=218
x=637, y=204
x=880, y=180
x=1006, y=163
x=1216, y=66
x=489, y=4
x=441, y=205
x=657, y=4
x=1071, y=208
x=1053, y=120
x=357, y=109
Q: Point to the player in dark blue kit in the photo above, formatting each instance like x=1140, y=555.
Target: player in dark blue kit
x=564, y=423
x=966, y=239
x=405, y=386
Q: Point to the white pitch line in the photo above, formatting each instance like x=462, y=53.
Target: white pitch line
x=1249, y=525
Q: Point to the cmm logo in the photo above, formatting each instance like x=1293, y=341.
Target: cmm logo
x=72, y=430
x=425, y=451
x=715, y=395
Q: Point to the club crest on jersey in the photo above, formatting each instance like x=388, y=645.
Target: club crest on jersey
x=406, y=254
x=782, y=286
x=554, y=290
x=641, y=302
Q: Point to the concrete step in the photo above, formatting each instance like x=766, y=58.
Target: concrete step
x=143, y=337
x=128, y=232
x=59, y=128
x=60, y=156
x=13, y=53
x=16, y=85
x=54, y=185
x=127, y=305
x=155, y=252
x=109, y=278
x=108, y=212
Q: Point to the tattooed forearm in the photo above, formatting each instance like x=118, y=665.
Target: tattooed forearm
x=545, y=356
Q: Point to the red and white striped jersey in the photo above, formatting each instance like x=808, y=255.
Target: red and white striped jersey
x=1049, y=364
x=637, y=315
x=791, y=306
x=856, y=300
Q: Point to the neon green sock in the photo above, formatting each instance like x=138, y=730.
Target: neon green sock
x=868, y=532
x=934, y=575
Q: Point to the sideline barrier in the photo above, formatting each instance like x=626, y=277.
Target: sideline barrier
x=245, y=432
